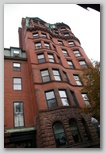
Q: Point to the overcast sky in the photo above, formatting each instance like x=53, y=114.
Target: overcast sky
x=84, y=24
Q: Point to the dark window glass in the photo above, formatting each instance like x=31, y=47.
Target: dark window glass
x=51, y=100
x=75, y=131
x=59, y=135
x=96, y=125
x=74, y=98
x=54, y=48
x=65, y=76
x=86, y=128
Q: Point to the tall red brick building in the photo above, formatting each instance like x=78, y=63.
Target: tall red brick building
x=42, y=89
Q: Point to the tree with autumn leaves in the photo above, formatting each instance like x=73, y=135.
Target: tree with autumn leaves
x=91, y=78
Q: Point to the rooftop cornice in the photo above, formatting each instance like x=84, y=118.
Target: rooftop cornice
x=46, y=29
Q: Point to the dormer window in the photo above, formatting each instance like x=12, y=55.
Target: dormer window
x=63, y=28
x=16, y=53
x=44, y=35
x=66, y=34
x=60, y=42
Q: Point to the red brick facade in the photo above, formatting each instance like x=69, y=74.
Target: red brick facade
x=37, y=113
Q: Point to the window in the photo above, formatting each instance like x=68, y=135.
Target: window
x=76, y=53
x=16, y=53
x=63, y=28
x=38, y=45
x=83, y=64
x=77, y=79
x=41, y=23
x=17, y=84
x=85, y=98
x=50, y=37
x=86, y=128
x=59, y=134
x=71, y=43
x=51, y=58
x=75, y=131
x=44, y=35
x=96, y=125
x=56, y=75
x=59, y=60
x=18, y=114
x=56, y=32
x=45, y=75
x=60, y=42
x=51, y=100
x=54, y=47
x=65, y=52
x=74, y=98
x=35, y=35
x=64, y=98
x=47, y=45
x=66, y=34
x=41, y=58
x=16, y=66
x=70, y=64
x=65, y=76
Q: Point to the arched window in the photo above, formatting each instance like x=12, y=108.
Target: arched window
x=86, y=129
x=59, y=134
x=96, y=125
x=75, y=131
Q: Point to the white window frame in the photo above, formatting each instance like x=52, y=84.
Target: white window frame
x=64, y=98
x=77, y=80
x=17, y=83
x=16, y=66
x=18, y=115
x=45, y=75
x=85, y=99
x=38, y=45
x=71, y=43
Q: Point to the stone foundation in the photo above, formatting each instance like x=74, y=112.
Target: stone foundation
x=45, y=120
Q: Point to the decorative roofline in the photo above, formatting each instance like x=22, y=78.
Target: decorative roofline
x=47, y=29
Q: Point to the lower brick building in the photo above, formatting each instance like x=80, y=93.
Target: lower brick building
x=42, y=89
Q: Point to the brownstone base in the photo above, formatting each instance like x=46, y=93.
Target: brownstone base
x=45, y=120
